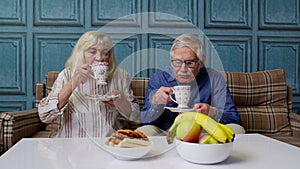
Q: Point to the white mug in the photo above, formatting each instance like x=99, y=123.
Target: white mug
x=182, y=95
x=100, y=70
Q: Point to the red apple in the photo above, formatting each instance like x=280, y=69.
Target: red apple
x=189, y=131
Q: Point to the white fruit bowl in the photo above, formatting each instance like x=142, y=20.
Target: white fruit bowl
x=203, y=153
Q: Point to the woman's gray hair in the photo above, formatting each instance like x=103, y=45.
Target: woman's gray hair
x=191, y=41
x=86, y=41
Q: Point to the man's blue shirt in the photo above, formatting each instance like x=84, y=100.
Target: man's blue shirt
x=209, y=87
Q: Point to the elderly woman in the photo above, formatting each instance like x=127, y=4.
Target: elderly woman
x=71, y=95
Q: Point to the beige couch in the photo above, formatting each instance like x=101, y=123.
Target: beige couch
x=262, y=98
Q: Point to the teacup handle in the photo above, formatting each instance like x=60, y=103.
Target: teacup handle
x=93, y=76
x=171, y=96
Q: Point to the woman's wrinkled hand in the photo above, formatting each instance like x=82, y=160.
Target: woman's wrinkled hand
x=82, y=74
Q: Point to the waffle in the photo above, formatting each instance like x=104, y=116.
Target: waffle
x=125, y=138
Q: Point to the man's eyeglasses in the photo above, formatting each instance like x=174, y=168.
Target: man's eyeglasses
x=188, y=63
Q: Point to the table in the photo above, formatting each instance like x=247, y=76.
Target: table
x=250, y=151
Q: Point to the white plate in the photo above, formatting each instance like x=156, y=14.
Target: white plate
x=180, y=110
x=158, y=146
x=128, y=153
x=102, y=97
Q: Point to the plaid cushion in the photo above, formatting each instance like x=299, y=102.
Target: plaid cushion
x=265, y=119
x=139, y=87
x=261, y=98
x=258, y=88
x=295, y=124
x=17, y=125
x=294, y=118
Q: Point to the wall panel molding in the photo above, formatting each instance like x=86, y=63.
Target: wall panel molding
x=284, y=53
x=116, y=12
x=234, y=52
x=13, y=12
x=10, y=106
x=159, y=52
x=127, y=52
x=58, y=12
x=51, y=51
x=12, y=69
x=166, y=13
x=279, y=14
x=228, y=14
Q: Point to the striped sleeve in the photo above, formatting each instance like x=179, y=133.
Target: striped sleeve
x=47, y=108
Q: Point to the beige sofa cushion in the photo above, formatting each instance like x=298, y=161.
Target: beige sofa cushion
x=265, y=119
x=261, y=98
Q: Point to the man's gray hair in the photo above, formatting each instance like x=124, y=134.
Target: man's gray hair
x=191, y=41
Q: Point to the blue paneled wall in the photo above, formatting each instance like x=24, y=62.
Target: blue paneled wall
x=37, y=36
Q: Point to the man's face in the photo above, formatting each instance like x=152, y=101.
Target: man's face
x=186, y=72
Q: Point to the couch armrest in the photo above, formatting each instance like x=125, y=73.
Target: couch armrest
x=16, y=125
x=295, y=124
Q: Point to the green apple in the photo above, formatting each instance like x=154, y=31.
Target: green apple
x=189, y=131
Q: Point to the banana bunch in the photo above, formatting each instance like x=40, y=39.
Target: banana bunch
x=220, y=132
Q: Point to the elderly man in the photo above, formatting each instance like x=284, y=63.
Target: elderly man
x=209, y=92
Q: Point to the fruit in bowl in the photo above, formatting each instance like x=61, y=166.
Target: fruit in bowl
x=188, y=131
x=207, y=139
x=214, y=144
x=220, y=132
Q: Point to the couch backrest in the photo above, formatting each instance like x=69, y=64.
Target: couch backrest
x=139, y=86
x=50, y=79
x=263, y=100
x=42, y=89
x=257, y=88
